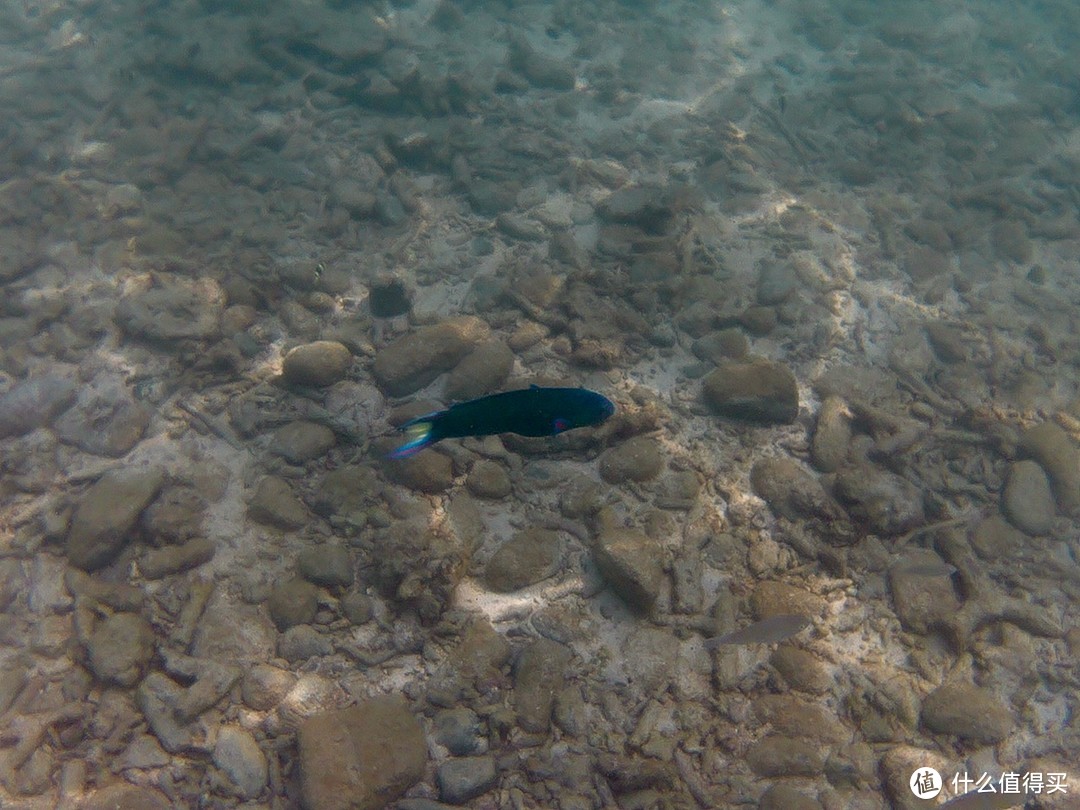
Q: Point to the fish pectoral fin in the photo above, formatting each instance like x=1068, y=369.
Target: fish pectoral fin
x=418, y=436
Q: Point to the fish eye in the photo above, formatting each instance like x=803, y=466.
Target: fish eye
x=560, y=425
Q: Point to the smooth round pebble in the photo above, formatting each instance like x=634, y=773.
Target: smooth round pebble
x=328, y=564
x=1028, y=502
x=636, y=459
x=292, y=603
x=488, y=479
x=238, y=755
x=301, y=441
x=357, y=607
x=527, y=557
x=318, y=364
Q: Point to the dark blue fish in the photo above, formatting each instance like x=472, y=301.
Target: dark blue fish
x=532, y=411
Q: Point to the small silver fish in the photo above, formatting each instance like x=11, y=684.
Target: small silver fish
x=766, y=631
x=926, y=569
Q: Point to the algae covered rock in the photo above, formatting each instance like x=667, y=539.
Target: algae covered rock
x=629, y=560
x=526, y=558
x=636, y=459
x=360, y=758
x=106, y=514
x=317, y=364
x=413, y=361
x=759, y=390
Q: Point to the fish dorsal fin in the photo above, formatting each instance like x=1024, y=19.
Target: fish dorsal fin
x=533, y=386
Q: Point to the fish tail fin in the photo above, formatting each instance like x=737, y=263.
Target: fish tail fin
x=419, y=434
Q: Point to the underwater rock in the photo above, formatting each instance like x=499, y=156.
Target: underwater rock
x=388, y=297
x=966, y=711
x=299, y=643
x=176, y=309
x=716, y=347
x=791, y=491
x=646, y=207
x=20, y=252
x=124, y=796
x=365, y=756
x=629, y=560
x=1011, y=242
x=1056, y=453
x=108, y=510
x=790, y=714
x=421, y=567
x=778, y=755
x=265, y=686
x=947, y=341
x=832, y=435
x=351, y=195
x=540, y=69
x=526, y=558
x=802, y=670
x=488, y=479
x=106, y=420
x=302, y=441
x=756, y=390
x=460, y=731
x=780, y=599
x=215, y=637
x=886, y=503
x=922, y=602
x=358, y=608
x=777, y=282
x=477, y=659
x=120, y=648
x=994, y=538
x=482, y=371
x=758, y=321
x=175, y=515
x=238, y=756
x=34, y=403
x=416, y=359
x=463, y=778
x=293, y=602
x=636, y=459
x=783, y=797
x=160, y=562
x=429, y=471
x=1027, y=500
x=924, y=264
x=345, y=491
x=275, y=504
x=317, y=364
x=159, y=696
x=520, y=227
x=328, y=564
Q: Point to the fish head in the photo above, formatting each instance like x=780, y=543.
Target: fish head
x=583, y=408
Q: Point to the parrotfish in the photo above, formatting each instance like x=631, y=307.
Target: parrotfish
x=532, y=411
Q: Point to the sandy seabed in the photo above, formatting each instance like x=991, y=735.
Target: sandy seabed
x=879, y=203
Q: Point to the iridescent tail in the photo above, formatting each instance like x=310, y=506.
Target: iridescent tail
x=419, y=435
